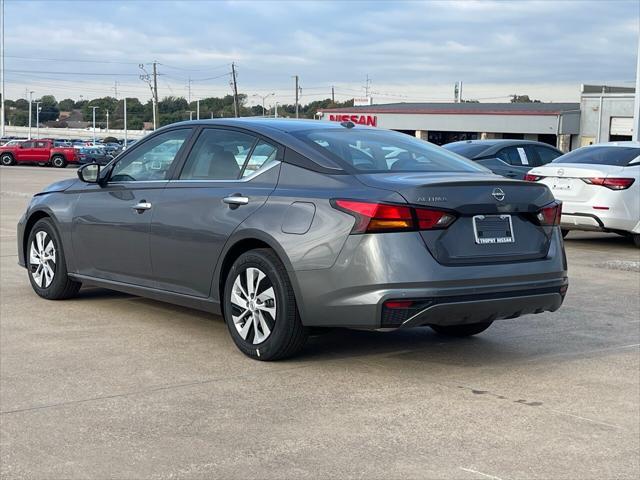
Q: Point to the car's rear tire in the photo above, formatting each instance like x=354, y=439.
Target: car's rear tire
x=461, y=330
x=6, y=159
x=636, y=239
x=46, y=264
x=260, y=307
x=58, y=161
x=565, y=232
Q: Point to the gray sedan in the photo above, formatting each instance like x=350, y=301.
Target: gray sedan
x=283, y=225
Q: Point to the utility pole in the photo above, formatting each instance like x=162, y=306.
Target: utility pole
x=2, y=67
x=297, y=91
x=30, y=114
x=236, y=108
x=38, y=119
x=156, y=118
x=94, y=124
x=367, y=85
x=125, y=122
x=115, y=88
x=333, y=94
x=189, y=91
x=460, y=92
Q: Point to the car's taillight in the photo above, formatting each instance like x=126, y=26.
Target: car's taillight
x=550, y=214
x=533, y=178
x=373, y=217
x=611, y=183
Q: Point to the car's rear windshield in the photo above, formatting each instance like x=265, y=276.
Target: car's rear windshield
x=468, y=150
x=377, y=151
x=604, y=155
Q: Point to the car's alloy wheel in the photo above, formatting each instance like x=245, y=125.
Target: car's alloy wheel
x=6, y=160
x=253, y=303
x=46, y=263
x=58, y=162
x=260, y=307
x=42, y=259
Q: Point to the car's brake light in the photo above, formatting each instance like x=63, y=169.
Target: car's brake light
x=533, y=178
x=611, y=183
x=372, y=217
x=550, y=214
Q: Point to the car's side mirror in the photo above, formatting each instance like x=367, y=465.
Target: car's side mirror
x=89, y=173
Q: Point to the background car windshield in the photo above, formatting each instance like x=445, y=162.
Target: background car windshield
x=619, y=156
x=377, y=151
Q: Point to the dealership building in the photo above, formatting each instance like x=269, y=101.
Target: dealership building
x=604, y=114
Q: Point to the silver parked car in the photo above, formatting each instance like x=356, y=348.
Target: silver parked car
x=283, y=225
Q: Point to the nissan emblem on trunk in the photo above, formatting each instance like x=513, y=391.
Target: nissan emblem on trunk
x=498, y=194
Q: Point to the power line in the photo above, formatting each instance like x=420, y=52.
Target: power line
x=74, y=73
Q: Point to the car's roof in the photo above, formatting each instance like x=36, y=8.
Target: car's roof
x=257, y=123
x=626, y=144
x=501, y=142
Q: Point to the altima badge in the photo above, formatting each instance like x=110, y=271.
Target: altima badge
x=498, y=194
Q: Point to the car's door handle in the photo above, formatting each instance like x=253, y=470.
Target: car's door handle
x=235, y=200
x=142, y=206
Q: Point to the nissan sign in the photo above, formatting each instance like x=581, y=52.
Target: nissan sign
x=369, y=120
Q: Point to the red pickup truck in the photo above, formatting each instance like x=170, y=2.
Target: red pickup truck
x=42, y=152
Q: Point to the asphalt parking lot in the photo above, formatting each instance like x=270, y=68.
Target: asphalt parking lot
x=113, y=386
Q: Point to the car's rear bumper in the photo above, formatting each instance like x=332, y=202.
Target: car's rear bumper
x=599, y=222
x=371, y=270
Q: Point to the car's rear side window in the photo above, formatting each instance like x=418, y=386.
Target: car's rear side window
x=378, y=151
x=218, y=154
x=601, y=155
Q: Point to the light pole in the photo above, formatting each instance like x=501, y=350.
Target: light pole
x=125, y=122
x=38, y=119
x=198, y=109
x=107, y=121
x=2, y=67
x=275, y=113
x=30, y=114
x=263, y=97
x=94, y=123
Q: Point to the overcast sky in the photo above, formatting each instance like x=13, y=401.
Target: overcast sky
x=412, y=51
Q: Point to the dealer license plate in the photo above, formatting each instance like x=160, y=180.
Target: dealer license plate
x=490, y=229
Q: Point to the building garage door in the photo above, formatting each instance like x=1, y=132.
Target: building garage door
x=621, y=126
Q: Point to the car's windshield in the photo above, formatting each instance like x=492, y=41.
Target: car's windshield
x=377, y=151
x=601, y=155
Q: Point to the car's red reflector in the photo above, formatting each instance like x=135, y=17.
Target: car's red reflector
x=611, y=183
x=373, y=217
x=398, y=304
x=532, y=178
x=600, y=208
x=550, y=215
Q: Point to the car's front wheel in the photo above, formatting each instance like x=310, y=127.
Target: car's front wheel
x=6, y=159
x=461, y=330
x=46, y=263
x=260, y=307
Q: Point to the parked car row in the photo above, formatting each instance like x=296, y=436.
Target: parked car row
x=55, y=153
x=599, y=185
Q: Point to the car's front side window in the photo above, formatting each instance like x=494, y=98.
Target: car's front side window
x=151, y=160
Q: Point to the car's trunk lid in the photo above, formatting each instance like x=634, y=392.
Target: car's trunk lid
x=469, y=196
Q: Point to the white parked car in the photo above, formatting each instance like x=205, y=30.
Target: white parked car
x=599, y=186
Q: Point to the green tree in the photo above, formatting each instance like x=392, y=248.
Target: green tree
x=522, y=99
x=66, y=105
x=48, y=109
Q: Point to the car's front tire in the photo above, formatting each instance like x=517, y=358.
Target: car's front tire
x=260, y=307
x=46, y=263
x=7, y=159
x=461, y=330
